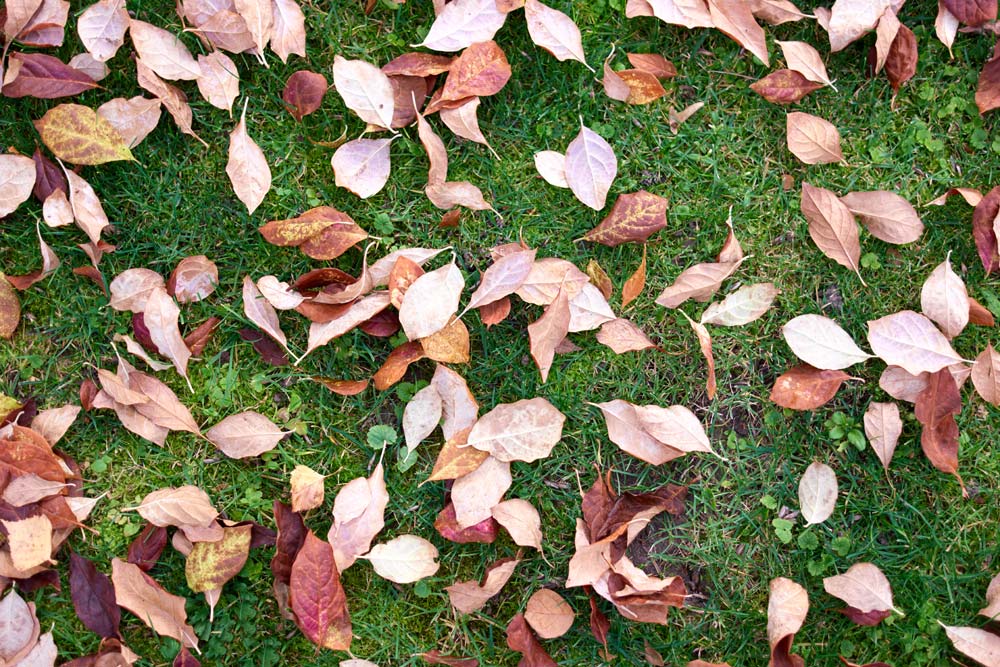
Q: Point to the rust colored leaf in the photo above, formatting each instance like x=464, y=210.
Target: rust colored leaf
x=983, y=217
x=291, y=536
x=303, y=93
x=831, y=226
x=396, y=364
x=633, y=218
x=643, y=87
x=521, y=639
x=901, y=64
x=636, y=282
x=418, y=64
x=382, y=324
x=45, y=77
x=803, y=387
x=76, y=133
x=93, y=597
x=140, y=594
x=145, y=549
x=599, y=623
x=198, y=339
x=988, y=89
x=322, y=233
x=480, y=70
x=699, y=282
x=449, y=345
x=548, y=614
x=342, y=387
x=495, y=312
x=317, y=598
x=972, y=12
x=456, y=459
x=784, y=86
x=447, y=526
x=979, y=315
x=935, y=409
x=653, y=63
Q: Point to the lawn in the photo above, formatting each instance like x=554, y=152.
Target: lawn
x=938, y=550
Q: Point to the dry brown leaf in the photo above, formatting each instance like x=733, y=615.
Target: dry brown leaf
x=885, y=34
x=677, y=118
x=140, y=594
x=633, y=218
x=87, y=208
x=455, y=459
x=193, y=279
x=803, y=387
x=219, y=82
x=307, y=488
x=245, y=435
x=161, y=316
x=431, y=301
x=449, y=345
x=832, y=226
x=29, y=541
x=181, y=506
x=521, y=520
x=862, y=587
x=784, y=86
x=901, y=62
x=705, y=345
x=850, y=19
x=526, y=430
x=358, y=516
x=944, y=299
x=359, y=312
x=480, y=70
x=653, y=63
x=623, y=336
x=548, y=614
x=548, y=331
x=812, y=139
x=173, y=99
x=910, y=340
x=699, y=282
x=259, y=311
x=17, y=177
x=817, y=493
x=464, y=122
x=247, y=167
x=470, y=596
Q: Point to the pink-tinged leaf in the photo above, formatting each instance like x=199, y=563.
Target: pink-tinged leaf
x=219, y=82
x=446, y=524
x=137, y=592
x=521, y=520
x=260, y=312
x=886, y=215
x=805, y=59
x=591, y=167
x=735, y=19
x=303, y=93
x=523, y=431
x=851, y=19
x=910, y=340
x=133, y=118
x=161, y=316
x=863, y=587
x=554, y=31
x=548, y=331
x=86, y=63
x=984, y=218
x=471, y=596
x=464, y=122
x=18, y=627
x=521, y=639
x=986, y=375
x=687, y=13
x=44, y=77
x=831, y=226
x=502, y=278
x=247, y=167
x=787, y=606
x=944, y=299
x=431, y=301
x=812, y=139
x=317, y=597
x=193, y=279
x=700, y=282
x=102, y=28
x=47, y=26
x=551, y=165
x=131, y=289
x=362, y=166
x=624, y=336
x=17, y=178
x=173, y=98
x=163, y=52
x=365, y=89
x=980, y=645
x=463, y=23
x=784, y=86
x=475, y=494
x=358, y=517
x=245, y=435
x=288, y=34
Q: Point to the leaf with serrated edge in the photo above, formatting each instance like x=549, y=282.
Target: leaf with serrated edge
x=821, y=342
x=817, y=493
x=910, y=340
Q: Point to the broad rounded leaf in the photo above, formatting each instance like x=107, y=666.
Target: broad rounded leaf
x=944, y=299
x=548, y=614
x=17, y=178
x=820, y=342
x=362, y=166
x=862, y=587
x=181, y=506
x=245, y=435
x=554, y=31
x=910, y=340
x=523, y=431
x=812, y=139
x=76, y=133
x=462, y=23
x=817, y=493
x=633, y=218
x=404, y=560
x=591, y=167
x=365, y=89
x=886, y=215
x=743, y=306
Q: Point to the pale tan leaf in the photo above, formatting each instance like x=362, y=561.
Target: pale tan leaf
x=817, y=493
x=705, y=344
x=278, y=293
x=18, y=15
x=131, y=289
x=193, y=279
x=734, y=18
x=17, y=178
x=87, y=209
x=745, y=305
x=698, y=282
x=19, y=628
x=259, y=311
x=161, y=316
x=803, y=58
x=362, y=166
x=307, y=488
x=588, y=309
x=546, y=277
x=358, y=516
x=56, y=210
x=458, y=406
x=437, y=156
x=247, y=167
x=245, y=435
x=470, y=596
x=886, y=215
x=980, y=645
x=946, y=26
x=450, y=345
x=30, y=488
x=626, y=431
x=548, y=614
x=47, y=26
x=219, y=82
x=591, y=167
x=944, y=299
x=687, y=13
x=162, y=52
x=677, y=118
x=431, y=301
x=140, y=594
x=504, y=277
x=363, y=310
x=421, y=416
x=992, y=607
x=258, y=16
x=173, y=98
x=551, y=165
x=850, y=19
x=554, y=31
x=86, y=63
x=910, y=340
x=29, y=541
x=365, y=89
x=971, y=196
x=181, y=506
x=288, y=35
x=548, y=331
x=450, y=194
x=986, y=375
x=787, y=606
x=831, y=226
x=462, y=23
x=885, y=34
x=822, y=343
x=776, y=12
x=812, y=139
x=404, y=560
x=674, y=426
x=883, y=427
x=102, y=28
x=623, y=336
x=526, y=430
x=133, y=118
x=475, y=494
x=902, y=385
x=862, y=587
x=521, y=520
x=464, y=122
x=53, y=423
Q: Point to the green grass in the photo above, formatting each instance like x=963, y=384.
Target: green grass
x=938, y=550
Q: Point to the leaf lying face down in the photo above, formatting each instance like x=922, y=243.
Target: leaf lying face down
x=817, y=493
x=321, y=233
x=317, y=598
x=865, y=590
x=804, y=387
x=470, y=596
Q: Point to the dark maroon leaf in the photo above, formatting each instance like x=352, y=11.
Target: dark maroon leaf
x=446, y=524
x=147, y=546
x=304, y=93
x=38, y=581
x=599, y=623
x=45, y=77
x=291, y=536
x=982, y=230
x=520, y=638
x=185, y=659
x=269, y=350
x=972, y=12
x=48, y=177
x=22, y=415
x=260, y=536
x=93, y=597
x=141, y=332
x=901, y=63
x=382, y=325
x=88, y=390
x=198, y=339
x=865, y=618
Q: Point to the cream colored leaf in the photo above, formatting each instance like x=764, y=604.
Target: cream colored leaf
x=289, y=32
x=162, y=52
x=102, y=28
x=986, y=375
x=831, y=226
x=365, y=89
x=431, y=301
x=259, y=17
x=591, y=167
x=817, y=493
x=674, y=426
x=17, y=178
x=862, y=587
x=777, y=12
x=812, y=139
x=86, y=63
x=820, y=342
x=548, y=614
x=219, y=82
x=944, y=299
x=883, y=427
x=245, y=435
x=521, y=520
x=946, y=26
x=626, y=431
x=910, y=340
x=247, y=167
x=475, y=494
x=29, y=541
x=307, y=488
x=734, y=18
x=551, y=165
x=421, y=416
x=134, y=118
x=53, y=423
x=546, y=277
x=404, y=560
x=358, y=516
x=803, y=58
x=980, y=645
x=787, y=606
x=687, y=13
x=462, y=23
x=504, y=277
x=457, y=193
x=588, y=309
x=259, y=311
x=458, y=406
x=87, y=209
x=278, y=293
x=181, y=506
x=362, y=166
x=470, y=596
x=850, y=19
x=548, y=331
x=886, y=215
x=56, y=210
x=30, y=488
x=992, y=607
x=161, y=316
x=464, y=122
x=698, y=282
x=623, y=336
x=743, y=306
x=523, y=431
x=554, y=31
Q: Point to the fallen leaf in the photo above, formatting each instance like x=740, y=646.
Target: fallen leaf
x=831, y=226
x=521, y=639
x=972, y=12
x=699, y=282
x=93, y=597
x=946, y=27
x=984, y=218
x=86, y=63
x=317, y=597
x=303, y=93
x=455, y=459
x=219, y=82
x=19, y=627
x=362, y=166
x=747, y=304
x=480, y=70
x=137, y=592
x=53, y=423
x=245, y=435
x=462, y=23
x=817, y=493
x=548, y=331
x=446, y=524
x=193, y=279
x=901, y=63
x=862, y=587
x=102, y=28
x=910, y=340
x=623, y=336
x=812, y=139
x=599, y=277
x=502, y=278
x=358, y=516
x=365, y=89
x=986, y=375
x=526, y=430
x=260, y=312
x=803, y=387
x=421, y=416
x=944, y=299
x=321, y=233
x=674, y=426
x=554, y=31
x=626, y=431
x=705, y=345
x=43, y=76
x=687, y=13
x=980, y=645
x=46, y=27
x=288, y=33
x=992, y=607
x=821, y=342
x=431, y=301
x=307, y=488
x=457, y=193
x=247, y=167
x=146, y=547
x=886, y=215
x=133, y=118
x=885, y=34
x=162, y=52
x=784, y=86
x=734, y=19
x=470, y=596
x=50, y=262
x=181, y=506
x=551, y=166
x=591, y=167
x=633, y=218
x=435, y=657
x=803, y=58
x=787, y=606
x=464, y=122
x=677, y=118
x=521, y=520
x=653, y=63
x=76, y=133
x=935, y=409
x=979, y=315
x=548, y=614
x=17, y=178
x=988, y=88
x=404, y=559
x=211, y=564
x=850, y=19
x=475, y=494
x=29, y=541
x=173, y=99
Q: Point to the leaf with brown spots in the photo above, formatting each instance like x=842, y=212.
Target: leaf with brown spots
x=803, y=387
x=449, y=345
x=633, y=219
x=76, y=133
x=784, y=86
x=321, y=233
x=600, y=278
x=211, y=564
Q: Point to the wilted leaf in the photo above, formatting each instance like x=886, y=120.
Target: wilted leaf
x=674, y=426
x=988, y=89
x=102, y=28
x=944, y=299
x=831, y=226
x=470, y=596
x=935, y=409
x=133, y=118
x=140, y=594
x=93, y=597
x=404, y=560
x=910, y=340
x=436, y=658
x=303, y=93
x=211, y=564
x=636, y=282
x=972, y=12
x=633, y=218
x=862, y=587
x=173, y=99
x=245, y=435
x=523, y=431
x=591, y=167
x=653, y=63
x=901, y=64
x=548, y=614
x=317, y=597
x=803, y=387
x=76, y=133
x=787, y=606
x=599, y=277
x=462, y=23
x=784, y=86
x=87, y=209
x=817, y=493
x=812, y=139
x=161, y=315
x=247, y=167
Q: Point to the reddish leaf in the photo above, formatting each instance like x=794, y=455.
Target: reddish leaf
x=342, y=387
x=865, y=618
x=633, y=218
x=480, y=70
x=93, y=597
x=972, y=12
x=291, y=535
x=304, y=93
x=521, y=639
x=321, y=233
x=985, y=213
x=88, y=390
x=198, y=339
x=446, y=524
x=269, y=350
x=48, y=177
x=496, y=312
x=599, y=623
x=901, y=64
x=936, y=407
x=988, y=90
x=435, y=658
x=784, y=86
x=418, y=64
x=396, y=364
x=147, y=546
x=803, y=387
x=185, y=659
x=382, y=325
x=316, y=596
x=45, y=77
